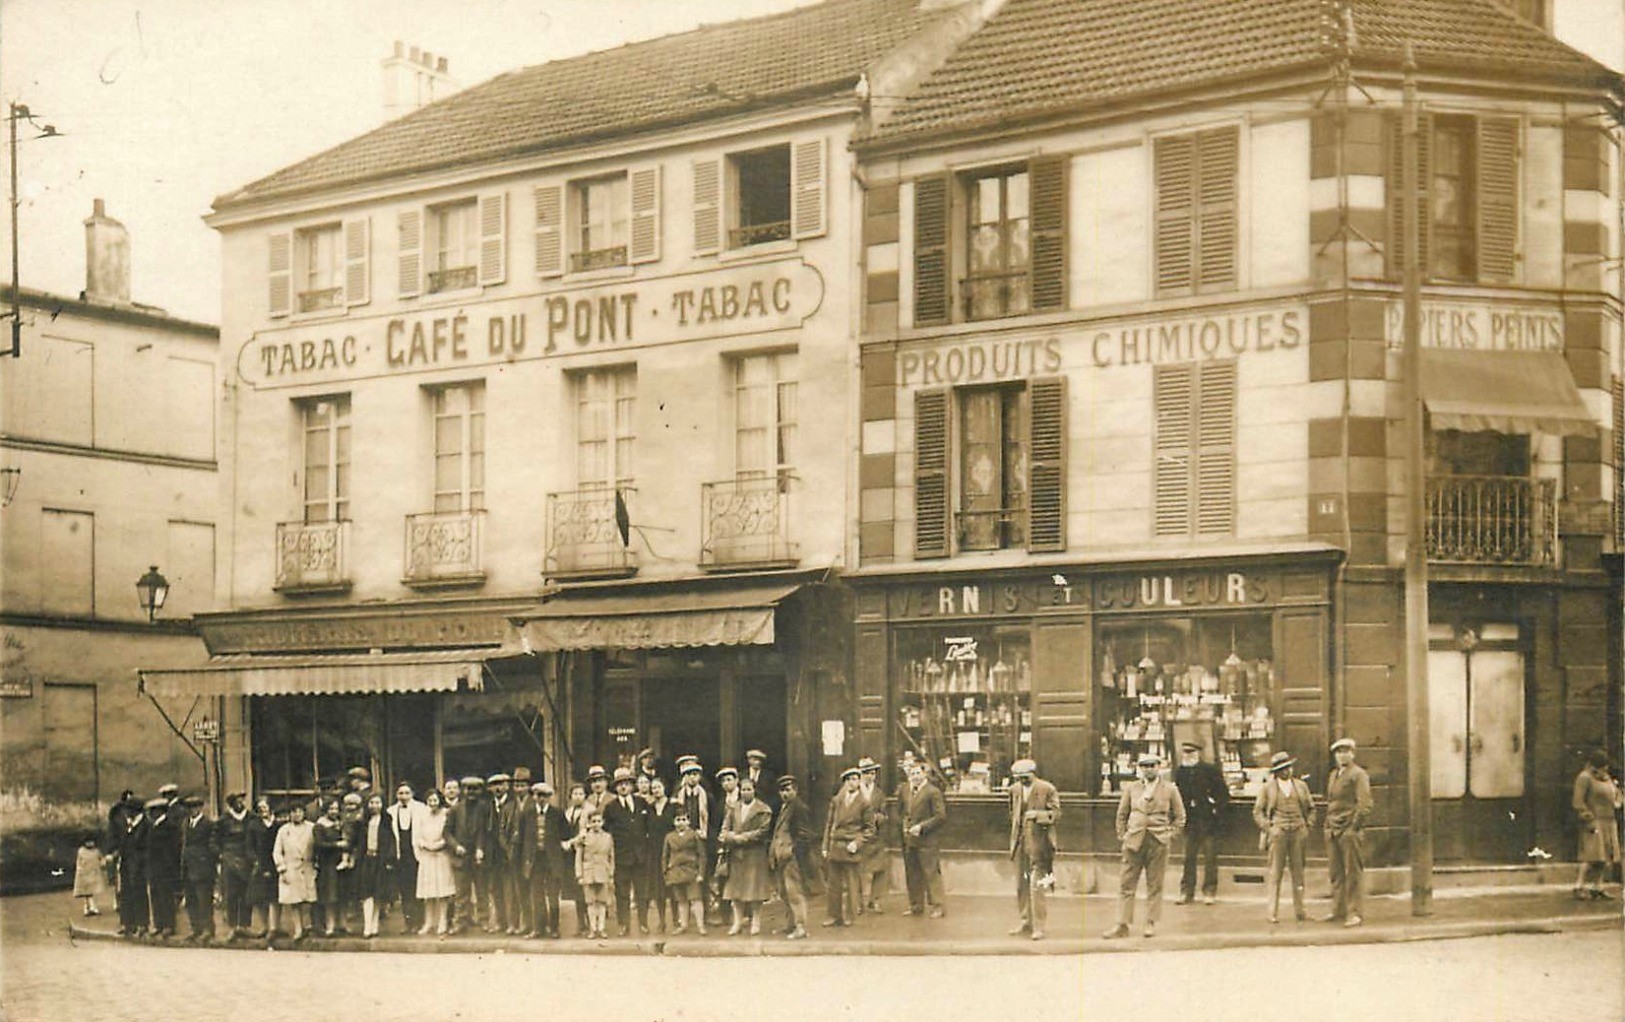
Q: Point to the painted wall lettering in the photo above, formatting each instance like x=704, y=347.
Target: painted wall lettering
x=1197, y=339
x=1187, y=589
x=1470, y=327
x=979, y=361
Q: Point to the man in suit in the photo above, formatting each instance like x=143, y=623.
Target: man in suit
x=1202, y=786
x=236, y=867
x=541, y=858
x=923, y=811
x=848, y=827
x=501, y=855
x=767, y=786
x=131, y=845
x=874, y=872
x=1149, y=813
x=401, y=861
x=625, y=820
x=200, y=862
x=1034, y=807
x=164, y=837
x=1284, y=811
x=1348, y=804
x=789, y=853
x=467, y=828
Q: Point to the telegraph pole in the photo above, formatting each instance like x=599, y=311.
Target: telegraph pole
x=16, y=349
x=1418, y=725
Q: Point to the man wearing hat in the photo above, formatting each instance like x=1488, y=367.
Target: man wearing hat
x=200, y=864
x=848, y=828
x=649, y=766
x=693, y=800
x=1284, y=812
x=1035, y=805
x=542, y=836
x=874, y=872
x=787, y=854
x=1348, y=804
x=625, y=821
x=1149, y=813
x=923, y=811
x=130, y=843
x=767, y=786
x=164, y=837
x=500, y=858
x=236, y=867
x=358, y=779
x=597, y=787
x=1202, y=786
x=464, y=835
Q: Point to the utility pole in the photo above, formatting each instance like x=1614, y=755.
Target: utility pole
x=16, y=349
x=1418, y=724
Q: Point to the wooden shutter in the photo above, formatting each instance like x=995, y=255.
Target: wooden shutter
x=280, y=292
x=1216, y=449
x=645, y=215
x=357, y=261
x=1046, y=464
x=1174, y=395
x=707, y=207
x=1497, y=150
x=1618, y=391
x=931, y=250
x=1174, y=158
x=410, y=227
x=1049, y=228
x=1396, y=201
x=931, y=512
x=1217, y=243
x=549, y=230
x=494, y=238
x=807, y=219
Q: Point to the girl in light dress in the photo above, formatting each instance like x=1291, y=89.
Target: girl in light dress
x=88, y=878
x=436, y=884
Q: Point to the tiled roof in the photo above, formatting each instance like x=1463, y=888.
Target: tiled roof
x=712, y=70
x=1041, y=57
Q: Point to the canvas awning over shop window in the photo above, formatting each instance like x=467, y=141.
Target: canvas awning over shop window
x=242, y=674
x=1504, y=391
x=736, y=616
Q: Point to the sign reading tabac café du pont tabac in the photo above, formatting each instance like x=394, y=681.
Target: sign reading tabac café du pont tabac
x=752, y=299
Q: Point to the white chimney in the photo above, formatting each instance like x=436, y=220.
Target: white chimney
x=107, y=259
x=413, y=78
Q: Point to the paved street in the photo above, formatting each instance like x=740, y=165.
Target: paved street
x=45, y=977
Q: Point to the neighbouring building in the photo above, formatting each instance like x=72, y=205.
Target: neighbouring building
x=107, y=433
x=1131, y=445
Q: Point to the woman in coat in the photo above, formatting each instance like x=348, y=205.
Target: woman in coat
x=436, y=884
x=328, y=834
x=658, y=823
x=745, y=830
x=294, y=853
x=259, y=836
x=1596, y=796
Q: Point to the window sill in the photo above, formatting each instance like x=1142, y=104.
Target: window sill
x=764, y=250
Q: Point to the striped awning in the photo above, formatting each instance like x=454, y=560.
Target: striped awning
x=1505, y=391
x=244, y=674
x=738, y=615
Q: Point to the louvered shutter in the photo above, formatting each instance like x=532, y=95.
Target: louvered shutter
x=410, y=227
x=1174, y=159
x=279, y=301
x=807, y=176
x=707, y=207
x=494, y=238
x=931, y=250
x=1216, y=449
x=645, y=215
x=1175, y=398
x=1049, y=227
x=549, y=230
x=357, y=261
x=1396, y=203
x=1497, y=199
x=1046, y=464
x=1217, y=244
x=931, y=512
x=1618, y=391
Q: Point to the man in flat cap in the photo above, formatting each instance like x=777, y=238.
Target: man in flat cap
x=625, y=819
x=468, y=826
x=500, y=854
x=1206, y=795
x=1348, y=804
x=542, y=836
x=236, y=865
x=848, y=828
x=789, y=854
x=767, y=786
x=1284, y=811
x=1149, y=813
x=1035, y=806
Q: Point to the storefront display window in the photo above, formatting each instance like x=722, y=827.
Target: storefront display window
x=964, y=703
x=301, y=741
x=1168, y=680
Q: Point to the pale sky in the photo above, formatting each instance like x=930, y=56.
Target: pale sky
x=166, y=104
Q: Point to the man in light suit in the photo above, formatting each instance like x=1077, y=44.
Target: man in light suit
x=1035, y=806
x=923, y=810
x=1284, y=811
x=1348, y=803
x=402, y=863
x=1149, y=814
x=848, y=828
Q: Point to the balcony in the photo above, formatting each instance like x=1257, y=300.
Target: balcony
x=758, y=234
x=312, y=557
x=583, y=539
x=444, y=548
x=598, y=259
x=455, y=279
x=745, y=523
x=325, y=298
x=1492, y=520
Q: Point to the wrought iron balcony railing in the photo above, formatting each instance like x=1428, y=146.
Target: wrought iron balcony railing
x=995, y=295
x=444, y=548
x=994, y=529
x=582, y=535
x=314, y=301
x=598, y=259
x=312, y=556
x=757, y=234
x=1508, y=520
x=453, y=279
x=746, y=522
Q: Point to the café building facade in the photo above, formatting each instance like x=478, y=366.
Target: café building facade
x=1131, y=446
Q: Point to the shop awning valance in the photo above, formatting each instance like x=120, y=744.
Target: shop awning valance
x=1504, y=391
x=242, y=674
x=733, y=616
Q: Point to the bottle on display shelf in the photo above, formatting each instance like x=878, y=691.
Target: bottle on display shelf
x=1024, y=677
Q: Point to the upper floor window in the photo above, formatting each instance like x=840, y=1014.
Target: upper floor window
x=598, y=222
x=600, y=216
x=459, y=447
x=759, y=195
x=606, y=431
x=325, y=433
x=760, y=182
x=765, y=415
x=998, y=250
x=454, y=246
x=320, y=268
x=1195, y=181
x=464, y=243
x=1194, y=475
x=1467, y=190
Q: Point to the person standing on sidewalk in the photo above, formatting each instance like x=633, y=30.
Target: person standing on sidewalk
x=1348, y=804
x=1284, y=812
x=923, y=810
x=626, y=821
x=236, y=869
x=1596, y=796
x=848, y=827
x=874, y=872
x=1149, y=813
x=788, y=854
x=163, y=865
x=1206, y=795
x=1035, y=806
x=200, y=865
x=500, y=858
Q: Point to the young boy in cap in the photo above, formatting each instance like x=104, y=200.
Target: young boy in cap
x=1348, y=804
x=1284, y=812
x=848, y=827
x=1149, y=814
x=767, y=786
x=682, y=860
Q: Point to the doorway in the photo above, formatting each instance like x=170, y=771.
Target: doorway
x=1476, y=706
x=683, y=716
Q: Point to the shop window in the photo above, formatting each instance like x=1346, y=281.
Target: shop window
x=1197, y=242
x=1467, y=190
x=481, y=732
x=606, y=406
x=1195, y=451
x=965, y=703
x=765, y=417
x=325, y=429
x=459, y=447
x=601, y=223
x=302, y=742
x=1455, y=453
x=1171, y=680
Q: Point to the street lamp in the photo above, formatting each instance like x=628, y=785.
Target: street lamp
x=152, y=590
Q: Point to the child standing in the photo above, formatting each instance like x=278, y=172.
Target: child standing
x=680, y=860
x=88, y=880
x=595, y=872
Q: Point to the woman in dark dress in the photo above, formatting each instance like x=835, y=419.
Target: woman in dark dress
x=260, y=837
x=661, y=820
x=328, y=834
x=371, y=881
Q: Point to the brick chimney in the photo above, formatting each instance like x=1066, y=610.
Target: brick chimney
x=107, y=259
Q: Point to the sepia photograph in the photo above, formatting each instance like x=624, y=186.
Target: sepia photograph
x=778, y=510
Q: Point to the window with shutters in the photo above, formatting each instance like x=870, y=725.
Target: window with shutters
x=1194, y=476
x=319, y=267
x=459, y=447
x=759, y=182
x=998, y=250
x=606, y=432
x=454, y=246
x=600, y=217
x=1196, y=192
x=1617, y=389
x=325, y=432
x=765, y=416
x=992, y=513
x=1467, y=174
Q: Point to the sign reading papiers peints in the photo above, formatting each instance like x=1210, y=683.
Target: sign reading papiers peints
x=1479, y=326
x=754, y=299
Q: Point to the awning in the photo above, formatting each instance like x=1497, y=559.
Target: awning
x=1504, y=391
x=243, y=674
x=733, y=616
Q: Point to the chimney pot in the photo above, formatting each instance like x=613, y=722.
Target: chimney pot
x=441, y=66
x=400, y=48
x=107, y=258
x=416, y=54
